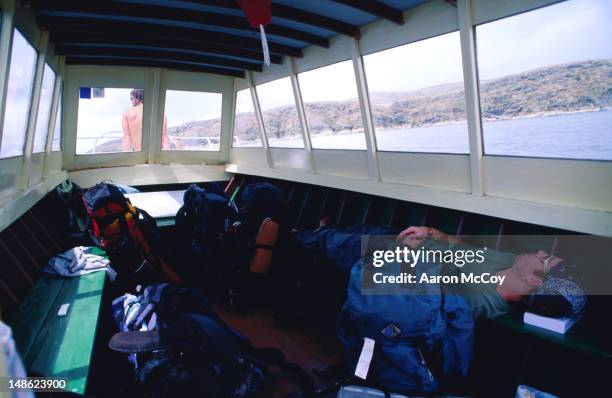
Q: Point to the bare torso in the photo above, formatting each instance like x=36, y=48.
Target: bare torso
x=132, y=128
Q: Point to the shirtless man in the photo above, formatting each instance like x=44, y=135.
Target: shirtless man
x=132, y=124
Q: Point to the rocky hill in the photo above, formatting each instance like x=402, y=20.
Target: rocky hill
x=573, y=87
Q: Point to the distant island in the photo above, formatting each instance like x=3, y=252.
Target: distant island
x=566, y=88
x=574, y=87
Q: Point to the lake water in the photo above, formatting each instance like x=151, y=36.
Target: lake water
x=573, y=136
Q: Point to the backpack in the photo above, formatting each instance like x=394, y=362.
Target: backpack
x=418, y=339
x=70, y=195
x=128, y=234
x=179, y=346
x=251, y=248
x=200, y=224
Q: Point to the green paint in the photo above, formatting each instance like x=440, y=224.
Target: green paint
x=56, y=346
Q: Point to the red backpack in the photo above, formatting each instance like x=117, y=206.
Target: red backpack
x=126, y=233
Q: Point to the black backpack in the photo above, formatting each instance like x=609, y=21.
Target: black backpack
x=191, y=350
x=243, y=288
x=75, y=217
x=200, y=224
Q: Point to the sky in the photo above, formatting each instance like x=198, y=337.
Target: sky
x=244, y=104
x=100, y=115
x=21, y=79
x=44, y=110
x=275, y=94
x=187, y=106
x=575, y=30
x=338, y=79
x=569, y=31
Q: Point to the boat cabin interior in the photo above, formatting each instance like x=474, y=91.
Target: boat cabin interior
x=484, y=124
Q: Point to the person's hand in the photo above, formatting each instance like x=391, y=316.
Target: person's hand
x=526, y=274
x=413, y=236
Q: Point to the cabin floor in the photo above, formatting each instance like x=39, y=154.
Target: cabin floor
x=309, y=347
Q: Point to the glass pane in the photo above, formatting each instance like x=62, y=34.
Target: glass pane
x=44, y=110
x=109, y=120
x=332, y=107
x=192, y=121
x=57, y=130
x=279, y=114
x=417, y=96
x=246, y=131
x=546, y=82
x=19, y=94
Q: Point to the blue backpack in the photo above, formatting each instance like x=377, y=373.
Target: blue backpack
x=406, y=328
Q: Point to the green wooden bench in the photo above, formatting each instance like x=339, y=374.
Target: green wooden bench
x=587, y=335
x=59, y=346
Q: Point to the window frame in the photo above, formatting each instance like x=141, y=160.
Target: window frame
x=220, y=121
x=32, y=90
x=201, y=82
x=297, y=111
x=483, y=18
x=307, y=124
x=50, y=110
x=255, y=114
x=463, y=83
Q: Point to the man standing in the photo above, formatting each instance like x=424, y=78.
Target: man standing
x=132, y=124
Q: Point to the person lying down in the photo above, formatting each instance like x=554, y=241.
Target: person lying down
x=407, y=342
x=521, y=274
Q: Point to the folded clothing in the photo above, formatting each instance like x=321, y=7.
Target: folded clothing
x=79, y=261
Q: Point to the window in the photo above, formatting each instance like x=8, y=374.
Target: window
x=192, y=121
x=19, y=94
x=417, y=96
x=109, y=120
x=545, y=82
x=246, y=131
x=279, y=113
x=44, y=110
x=57, y=130
x=332, y=107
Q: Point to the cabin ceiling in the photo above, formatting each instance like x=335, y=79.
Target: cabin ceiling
x=200, y=35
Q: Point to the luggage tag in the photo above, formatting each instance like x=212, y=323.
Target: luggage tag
x=365, y=358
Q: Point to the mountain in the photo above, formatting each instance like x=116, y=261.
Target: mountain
x=573, y=87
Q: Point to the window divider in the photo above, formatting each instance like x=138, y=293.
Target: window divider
x=33, y=112
x=297, y=93
x=6, y=40
x=366, y=112
x=59, y=78
x=153, y=85
x=472, y=95
x=259, y=117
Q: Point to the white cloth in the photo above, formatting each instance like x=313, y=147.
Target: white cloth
x=13, y=365
x=79, y=261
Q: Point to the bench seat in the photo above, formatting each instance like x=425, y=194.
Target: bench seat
x=59, y=346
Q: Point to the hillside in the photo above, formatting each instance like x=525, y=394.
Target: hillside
x=574, y=87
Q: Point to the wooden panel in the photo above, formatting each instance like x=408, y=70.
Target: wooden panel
x=355, y=209
x=409, y=214
x=382, y=211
